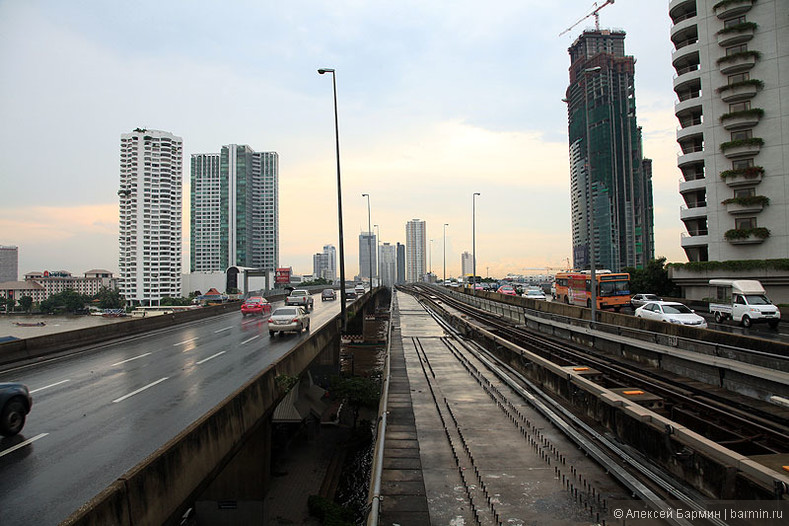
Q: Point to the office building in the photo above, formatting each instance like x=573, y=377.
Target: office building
x=324, y=264
x=466, y=264
x=606, y=155
x=388, y=259
x=368, y=262
x=416, y=250
x=234, y=209
x=730, y=60
x=9, y=263
x=151, y=179
x=400, y=264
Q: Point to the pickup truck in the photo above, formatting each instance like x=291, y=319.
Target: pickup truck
x=744, y=301
x=301, y=298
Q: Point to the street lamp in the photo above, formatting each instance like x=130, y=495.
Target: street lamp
x=431, y=260
x=474, y=238
x=369, y=241
x=339, y=199
x=378, y=252
x=445, y=252
x=590, y=202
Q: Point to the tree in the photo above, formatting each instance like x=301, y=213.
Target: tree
x=109, y=299
x=169, y=302
x=26, y=302
x=68, y=301
x=652, y=279
x=358, y=392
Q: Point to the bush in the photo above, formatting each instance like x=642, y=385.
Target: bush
x=328, y=512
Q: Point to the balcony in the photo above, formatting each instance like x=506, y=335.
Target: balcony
x=690, y=132
x=731, y=8
x=748, y=177
x=741, y=120
x=694, y=211
x=690, y=105
x=690, y=158
x=688, y=53
x=742, y=149
x=746, y=236
x=692, y=185
x=697, y=238
x=738, y=63
x=739, y=92
x=738, y=34
x=735, y=208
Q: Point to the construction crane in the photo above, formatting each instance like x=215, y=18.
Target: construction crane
x=595, y=13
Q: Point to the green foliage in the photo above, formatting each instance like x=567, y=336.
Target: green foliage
x=747, y=201
x=734, y=265
x=109, y=299
x=328, y=512
x=738, y=28
x=319, y=281
x=26, y=303
x=740, y=54
x=743, y=233
x=6, y=303
x=753, y=141
x=750, y=172
x=286, y=382
x=724, y=3
x=169, y=302
x=652, y=279
x=67, y=301
x=753, y=112
x=734, y=85
x=358, y=392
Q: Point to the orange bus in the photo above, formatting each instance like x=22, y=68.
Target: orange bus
x=613, y=289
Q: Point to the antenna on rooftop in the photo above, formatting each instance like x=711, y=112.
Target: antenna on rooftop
x=595, y=13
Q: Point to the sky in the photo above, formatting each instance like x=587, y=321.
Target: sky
x=436, y=101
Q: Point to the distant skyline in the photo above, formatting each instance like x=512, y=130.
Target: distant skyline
x=435, y=102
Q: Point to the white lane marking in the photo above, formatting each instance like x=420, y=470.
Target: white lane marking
x=190, y=340
x=22, y=444
x=48, y=386
x=131, y=359
x=211, y=357
x=223, y=330
x=140, y=390
x=249, y=340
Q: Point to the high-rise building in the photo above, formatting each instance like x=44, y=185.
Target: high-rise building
x=400, y=264
x=9, y=263
x=388, y=259
x=605, y=146
x=234, y=209
x=368, y=261
x=151, y=179
x=731, y=61
x=416, y=250
x=466, y=264
x=324, y=264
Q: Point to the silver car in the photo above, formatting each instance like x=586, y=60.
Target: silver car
x=639, y=300
x=288, y=319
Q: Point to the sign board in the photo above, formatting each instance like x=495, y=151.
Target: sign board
x=282, y=275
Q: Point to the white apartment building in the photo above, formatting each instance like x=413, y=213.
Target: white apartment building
x=466, y=264
x=388, y=258
x=151, y=179
x=731, y=60
x=416, y=250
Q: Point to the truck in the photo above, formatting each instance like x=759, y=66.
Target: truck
x=743, y=300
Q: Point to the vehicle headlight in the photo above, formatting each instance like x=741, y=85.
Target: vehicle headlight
x=674, y=320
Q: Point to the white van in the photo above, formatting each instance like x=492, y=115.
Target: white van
x=743, y=300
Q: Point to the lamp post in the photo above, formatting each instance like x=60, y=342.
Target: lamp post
x=445, y=252
x=431, y=261
x=339, y=199
x=378, y=252
x=474, y=238
x=369, y=241
x=590, y=202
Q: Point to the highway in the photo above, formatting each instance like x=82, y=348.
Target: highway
x=98, y=413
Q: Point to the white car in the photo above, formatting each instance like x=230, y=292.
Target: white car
x=534, y=294
x=300, y=298
x=288, y=319
x=671, y=312
x=639, y=300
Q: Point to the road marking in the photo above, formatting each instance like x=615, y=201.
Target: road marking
x=48, y=386
x=140, y=390
x=130, y=359
x=22, y=444
x=211, y=357
x=223, y=330
x=190, y=340
x=249, y=340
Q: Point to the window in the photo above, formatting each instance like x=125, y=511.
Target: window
x=740, y=106
x=734, y=21
x=742, y=164
x=745, y=223
x=740, y=135
x=736, y=49
x=745, y=192
x=740, y=77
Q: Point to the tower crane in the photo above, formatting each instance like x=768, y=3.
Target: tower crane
x=595, y=13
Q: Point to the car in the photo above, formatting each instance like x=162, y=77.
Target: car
x=671, y=312
x=639, y=300
x=328, y=294
x=288, y=319
x=534, y=294
x=359, y=290
x=255, y=305
x=300, y=298
x=15, y=404
x=507, y=289
x=350, y=294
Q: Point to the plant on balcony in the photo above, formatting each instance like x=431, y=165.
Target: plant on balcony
x=724, y=3
x=739, y=55
x=751, y=172
x=739, y=28
x=734, y=85
x=744, y=233
x=747, y=201
x=753, y=141
x=753, y=112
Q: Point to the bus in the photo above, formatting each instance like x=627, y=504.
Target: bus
x=613, y=288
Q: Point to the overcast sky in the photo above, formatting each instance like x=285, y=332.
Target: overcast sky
x=437, y=100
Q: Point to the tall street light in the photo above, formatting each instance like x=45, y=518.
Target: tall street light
x=445, y=252
x=590, y=201
x=474, y=238
x=431, y=260
x=378, y=252
x=339, y=199
x=369, y=241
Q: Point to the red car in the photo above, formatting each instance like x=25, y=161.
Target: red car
x=506, y=289
x=255, y=305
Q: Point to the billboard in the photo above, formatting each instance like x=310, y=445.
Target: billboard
x=282, y=275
